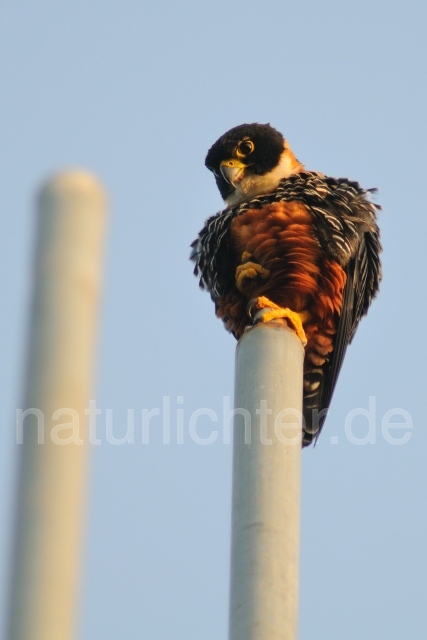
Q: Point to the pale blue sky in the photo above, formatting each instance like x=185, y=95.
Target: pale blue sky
x=137, y=92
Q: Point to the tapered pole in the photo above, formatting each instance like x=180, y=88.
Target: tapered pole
x=51, y=434
x=266, y=484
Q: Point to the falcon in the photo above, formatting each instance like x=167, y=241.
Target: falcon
x=290, y=244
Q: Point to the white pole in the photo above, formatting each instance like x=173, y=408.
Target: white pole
x=50, y=502
x=266, y=484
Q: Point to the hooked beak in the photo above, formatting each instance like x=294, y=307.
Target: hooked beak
x=232, y=171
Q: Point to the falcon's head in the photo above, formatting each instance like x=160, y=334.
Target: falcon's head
x=250, y=160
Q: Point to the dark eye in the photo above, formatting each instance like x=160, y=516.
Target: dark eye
x=245, y=148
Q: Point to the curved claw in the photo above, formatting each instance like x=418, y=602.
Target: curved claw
x=267, y=310
x=249, y=270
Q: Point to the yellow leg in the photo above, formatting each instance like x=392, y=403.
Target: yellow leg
x=249, y=270
x=268, y=310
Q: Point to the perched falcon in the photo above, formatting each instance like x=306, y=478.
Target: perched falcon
x=291, y=244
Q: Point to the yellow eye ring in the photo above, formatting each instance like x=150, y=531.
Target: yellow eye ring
x=244, y=148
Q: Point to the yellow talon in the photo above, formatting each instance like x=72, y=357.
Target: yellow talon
x=268, y=310
x=249, y=270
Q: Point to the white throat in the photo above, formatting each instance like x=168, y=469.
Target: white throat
x=251, y=186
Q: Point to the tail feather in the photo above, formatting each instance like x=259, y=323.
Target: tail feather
x=313, y=412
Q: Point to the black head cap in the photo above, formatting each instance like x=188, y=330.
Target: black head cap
x=267, y=145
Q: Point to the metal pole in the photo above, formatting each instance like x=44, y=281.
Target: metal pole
x=266, y=484
x=52, y=433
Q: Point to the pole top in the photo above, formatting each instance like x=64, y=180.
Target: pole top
x=273, y=325
x=72, y=184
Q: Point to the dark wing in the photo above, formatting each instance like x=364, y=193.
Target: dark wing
x=348, y=232
x=210, y=253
